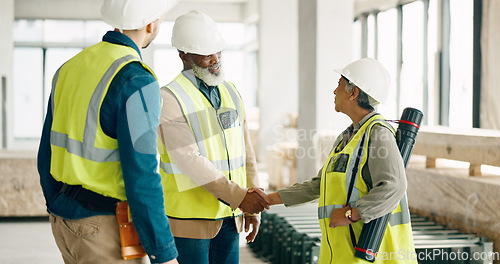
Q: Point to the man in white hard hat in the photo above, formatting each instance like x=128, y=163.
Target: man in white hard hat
x=98, y=145
x=207, y=160
x=367, y=148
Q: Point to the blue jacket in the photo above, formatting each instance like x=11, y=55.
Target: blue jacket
x=139, y=165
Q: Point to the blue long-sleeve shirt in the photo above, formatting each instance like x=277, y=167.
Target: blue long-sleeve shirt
x=130, y=113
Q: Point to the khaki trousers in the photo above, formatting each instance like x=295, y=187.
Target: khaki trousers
x=91, y=240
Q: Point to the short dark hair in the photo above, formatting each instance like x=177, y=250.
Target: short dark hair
x=363, y=98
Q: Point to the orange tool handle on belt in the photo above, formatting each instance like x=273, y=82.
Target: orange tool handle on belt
x=131, y=246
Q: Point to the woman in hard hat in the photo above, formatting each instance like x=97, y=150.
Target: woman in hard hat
x=207, y=161
x=98, y=145
x=363, y=177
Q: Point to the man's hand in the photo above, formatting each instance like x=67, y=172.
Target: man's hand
x=271, y=199
x=255, y=222
x=253, y=203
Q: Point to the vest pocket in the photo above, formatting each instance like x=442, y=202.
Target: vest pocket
x=338, y=163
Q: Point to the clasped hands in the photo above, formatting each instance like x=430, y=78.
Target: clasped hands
x=256, y=200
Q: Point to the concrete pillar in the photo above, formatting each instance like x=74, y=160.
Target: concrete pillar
x=6, y=61
x=325, y=42
x=278, y=65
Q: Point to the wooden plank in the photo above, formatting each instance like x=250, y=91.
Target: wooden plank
x=475, y=169
x=430, y=163
x=477, y=146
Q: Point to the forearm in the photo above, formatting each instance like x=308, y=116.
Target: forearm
x=136, y=136
x=300, y=193
x=274, y=198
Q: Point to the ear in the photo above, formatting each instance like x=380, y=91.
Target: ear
x=354, y=93
x=151, y=26
x=185, y=60
x=184, y=56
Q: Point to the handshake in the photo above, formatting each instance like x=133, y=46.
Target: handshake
x=256, y=200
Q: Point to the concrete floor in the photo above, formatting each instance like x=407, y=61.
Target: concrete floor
x=29, y=240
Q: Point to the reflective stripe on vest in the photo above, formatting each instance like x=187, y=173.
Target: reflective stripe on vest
x=86, y=148
x=221, y=165
x=397, y=218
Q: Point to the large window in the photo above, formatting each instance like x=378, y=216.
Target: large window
x=28, y=92
x=356, y=41
x=42, y=46
x=461, y=42
x=387, y=40
x=427, y=47
x=411, y=84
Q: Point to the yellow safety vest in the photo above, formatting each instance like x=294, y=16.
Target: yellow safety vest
x=82, y=154
x=336, y=246
x=220, y=138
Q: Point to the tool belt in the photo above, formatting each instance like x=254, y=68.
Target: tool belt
x=88, y=199
x=131, y=247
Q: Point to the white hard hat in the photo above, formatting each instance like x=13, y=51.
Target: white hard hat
x=370, y=76
x=196, y=32
x=134, y=14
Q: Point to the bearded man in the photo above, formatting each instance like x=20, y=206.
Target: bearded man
x=207, y=161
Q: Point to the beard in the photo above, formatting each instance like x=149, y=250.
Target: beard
x=204, y=74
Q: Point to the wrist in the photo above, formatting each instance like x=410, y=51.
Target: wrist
x=348, y=214
x=274, y=198
x=355, y=216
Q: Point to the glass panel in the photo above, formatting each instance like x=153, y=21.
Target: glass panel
x=94, y=30
x=461, y=42
x=433, y=63
x=27, y=94
x=28, y=30
x=167, y=65
x=356, y=40
x=387, y=55
x=64, y=31
x=54, y=58
x=371, y=36
x=411, y=70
